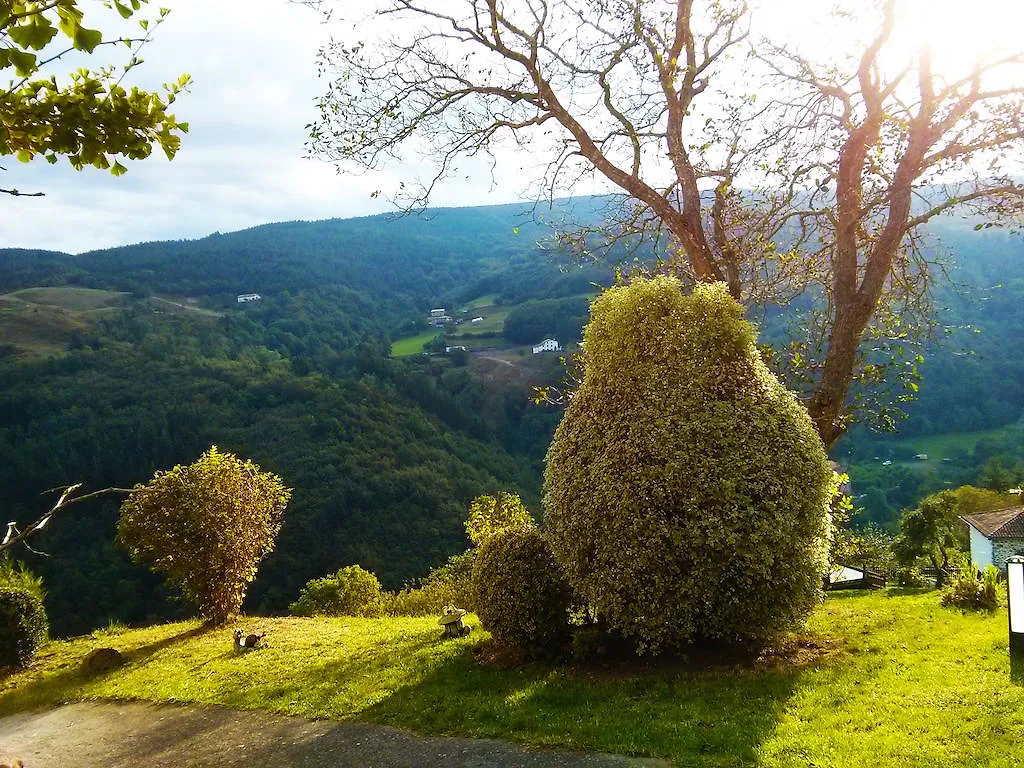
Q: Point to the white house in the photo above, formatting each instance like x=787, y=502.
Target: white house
x=477, y=320
x=245, y=298
x=995, y=536
x=438, y=317
x=548, y=345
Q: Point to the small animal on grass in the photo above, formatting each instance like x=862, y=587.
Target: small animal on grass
x=244, y=642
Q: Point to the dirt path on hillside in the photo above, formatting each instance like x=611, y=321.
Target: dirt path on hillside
x=129, y=735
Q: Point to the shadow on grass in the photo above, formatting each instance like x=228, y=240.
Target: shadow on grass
x=715, y=717
x=1017, y=668
x=70, y=679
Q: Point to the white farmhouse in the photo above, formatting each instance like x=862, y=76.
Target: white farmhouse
x=477, y=320
x=438, y=317
x=548, y=345
x=245, y=298
x=995, y=536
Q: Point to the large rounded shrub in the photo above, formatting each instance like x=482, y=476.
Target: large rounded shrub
x=23, y=627
x=352, y=591
x=520, y=593
x=686, y=490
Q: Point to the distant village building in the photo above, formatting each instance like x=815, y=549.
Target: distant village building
x=245, y=298
x=477, y=320
x=548, y=345
x=438, y=317
x=921, y=456
x=996, y=536
x=453, y=349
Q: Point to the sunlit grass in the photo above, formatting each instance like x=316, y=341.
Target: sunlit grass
x=906, y=683
x=413, y=345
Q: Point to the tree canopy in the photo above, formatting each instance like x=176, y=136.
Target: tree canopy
x=92, y=118
x=817, y=184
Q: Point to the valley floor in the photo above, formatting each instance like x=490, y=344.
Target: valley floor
x=878, y=679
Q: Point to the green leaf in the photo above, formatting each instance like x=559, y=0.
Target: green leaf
x=87, y=39
x=117, y=169
x=35, y=34
x=24, y=156
x=124, y=10
x=24, y=62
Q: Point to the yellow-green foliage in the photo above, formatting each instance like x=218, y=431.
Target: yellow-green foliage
x=23, y=625
x=520, y=592
x=352, y=591
x=206, y=526
x=686, y=489
x=490, y=514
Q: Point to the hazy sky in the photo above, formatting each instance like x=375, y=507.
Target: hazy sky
x=255, y=83
x=241, y=163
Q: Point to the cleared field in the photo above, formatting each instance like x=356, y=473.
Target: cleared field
x=43, y=320
x=412, y=345
x=482, y=301
x=493, y=320
x=77, y=299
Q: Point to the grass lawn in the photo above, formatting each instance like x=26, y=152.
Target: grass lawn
x=903, y=682
x=413, y=345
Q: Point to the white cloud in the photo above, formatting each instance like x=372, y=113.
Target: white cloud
x=241, y=164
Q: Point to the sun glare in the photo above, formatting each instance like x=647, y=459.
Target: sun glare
x=958, y=33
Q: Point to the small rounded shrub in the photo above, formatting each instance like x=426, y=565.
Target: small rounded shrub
x=519, y=591
x=23, y=626
x=489, y=514
x=686, y=491
x=352, y=591
x=967, y=592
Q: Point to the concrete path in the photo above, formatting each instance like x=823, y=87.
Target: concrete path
x=129, y=735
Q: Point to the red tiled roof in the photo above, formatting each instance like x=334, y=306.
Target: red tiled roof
x=999, y=524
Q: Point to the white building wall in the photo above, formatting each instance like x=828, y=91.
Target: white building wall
x=981, y=548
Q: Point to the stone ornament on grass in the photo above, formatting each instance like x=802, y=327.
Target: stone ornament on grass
x=451, y=620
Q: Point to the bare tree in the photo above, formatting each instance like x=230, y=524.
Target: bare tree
x=820, y=190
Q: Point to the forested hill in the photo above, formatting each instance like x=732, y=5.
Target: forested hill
x=119, y=362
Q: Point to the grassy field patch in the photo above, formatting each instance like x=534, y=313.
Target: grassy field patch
x=907, y=683
x=78, y=299
x=413, y=345
x=493, y=320
x=43, y=320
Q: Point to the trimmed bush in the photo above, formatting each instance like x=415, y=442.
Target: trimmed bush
x=206, y=526
x=352, y=591
x=686, y=491
x=23, y=626
x=520, y=594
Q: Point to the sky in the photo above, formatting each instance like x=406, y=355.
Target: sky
x=241, y=164
x=253, y=63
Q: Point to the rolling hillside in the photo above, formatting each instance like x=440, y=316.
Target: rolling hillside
x=120, y=362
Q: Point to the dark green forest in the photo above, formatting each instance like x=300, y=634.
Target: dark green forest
x=384, y=453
